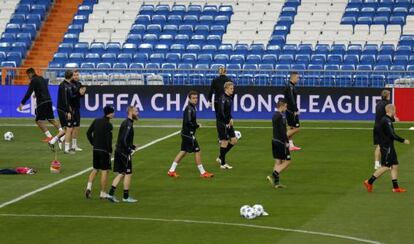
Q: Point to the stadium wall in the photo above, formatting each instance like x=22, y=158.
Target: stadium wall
x=249, y=102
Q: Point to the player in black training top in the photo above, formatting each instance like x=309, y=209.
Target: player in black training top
x=217, y=88
x=78, y=91
x=189, y=142
x=65, y=111
x=100, y=136
x=225, y=124
x=292, y=112
x=123, y=156
x=280, y=144
x=389, y=159
x=379, y=114
x=44, y=110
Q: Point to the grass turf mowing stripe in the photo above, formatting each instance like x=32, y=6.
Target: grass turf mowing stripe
x=210, y=126
x=77, y=174
x=337, y=236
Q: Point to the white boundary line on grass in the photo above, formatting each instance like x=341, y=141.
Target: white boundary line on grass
x=211, y=126
x=195, y=222
x=77, y=174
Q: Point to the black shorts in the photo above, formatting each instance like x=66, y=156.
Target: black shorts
x=224, y=133
x=122, y=163
x=64, y=122
x=101, y=160
x=280, y=151
x=388, y=156
x=76, y=118
x=189, y=144
x=44, y=111
x=292, y=119
x=376, y=135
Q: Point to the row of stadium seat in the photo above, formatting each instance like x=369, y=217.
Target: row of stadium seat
x=273, y=78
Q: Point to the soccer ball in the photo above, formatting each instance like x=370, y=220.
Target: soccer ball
x=55, y=167
x=238, y=134
x=258, y=209
x=243, y=210
x=8, y=136
x=250, y=213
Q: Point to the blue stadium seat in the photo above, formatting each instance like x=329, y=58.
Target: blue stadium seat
x=93, y=58
x=109, y=57
x=80, y=47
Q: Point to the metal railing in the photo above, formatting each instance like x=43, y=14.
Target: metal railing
x=203, y=77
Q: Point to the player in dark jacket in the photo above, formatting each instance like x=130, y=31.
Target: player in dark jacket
x=379, y=114
x=100, y=136
x=123, y=156
x=280, y=144
x=389, y=160
x=292, y=112
x=189, y=142
x=225, y=125
x=78, y=91
x=65, y=111
x=44, y=109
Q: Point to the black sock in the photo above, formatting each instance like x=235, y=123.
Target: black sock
x=395, y=184
x=126, y=194
x=276, y=176
x=223, y=155
x=112, y=190
x=372, y=179
x=229, y=147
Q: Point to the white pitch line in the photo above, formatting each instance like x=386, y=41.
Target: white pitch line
x=211, y=126
x=196, y=222
x=77, y=174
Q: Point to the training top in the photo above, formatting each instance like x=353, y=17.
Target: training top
x=380, y=110
x=125, y=142
x=387, y=132
x=38, y=85
x=65, y=97
x=100, y=134
x=217, y=87
x=279, y=128
x=224, y=109
x=189, y=121
x=291, y=96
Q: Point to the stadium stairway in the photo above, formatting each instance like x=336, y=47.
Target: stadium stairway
x=49, y=36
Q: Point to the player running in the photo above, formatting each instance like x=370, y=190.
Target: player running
x=292, y=112
x=44, y=110
x=65, y=111
x=280, y=144
x=123, y=162
x=78, y=91
x=225, y=124
x=389, y=159
x=100, y=136
x=189, y=143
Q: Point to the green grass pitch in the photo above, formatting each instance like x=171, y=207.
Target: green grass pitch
x=324, y=193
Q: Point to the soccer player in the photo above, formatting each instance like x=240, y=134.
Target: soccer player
x=100, y=136
x=78, y=91
x=379, y=114
x=280, y=144
x=225, y=124
x=189, y=143
x=217, y=88
x=123, y=162
x=44, y=110
x=65, y=111
x=389, y=159
x=292, y=112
